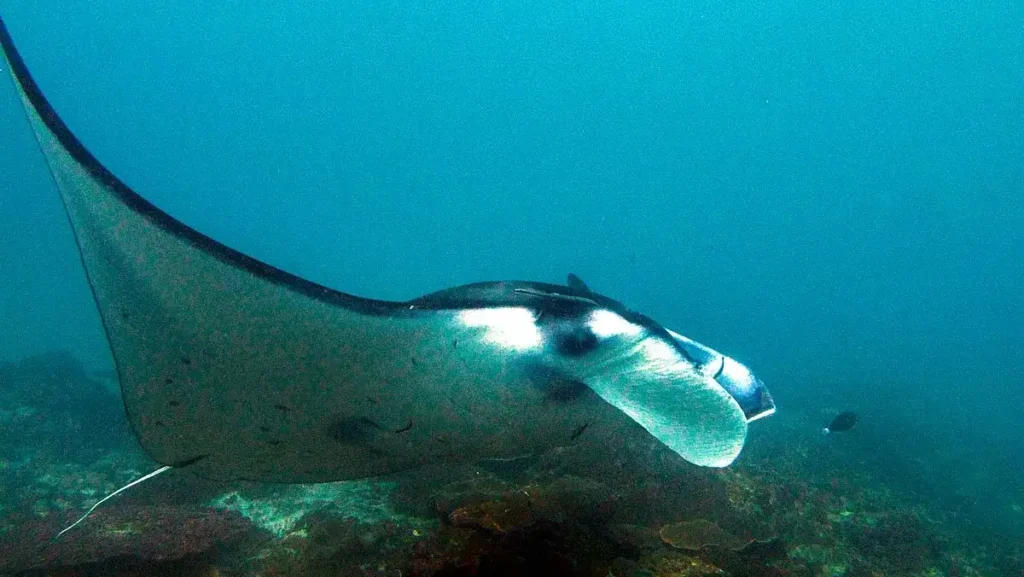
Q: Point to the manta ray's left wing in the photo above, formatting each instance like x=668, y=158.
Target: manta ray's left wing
x=243, y=370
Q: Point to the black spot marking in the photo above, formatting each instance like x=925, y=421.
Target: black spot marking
x=579, y=431
x=161, y=424
x=405, y=428
x=168, y=381
x=576, y=342
x=186, y=361
x=126, y=316
x=354, y=430
x=282, y=408
x=264, y=429
x=174, y=403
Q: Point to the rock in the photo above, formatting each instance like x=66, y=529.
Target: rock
x=579, y=500
x=698, y=534
x=674, y=564
x=636, y=537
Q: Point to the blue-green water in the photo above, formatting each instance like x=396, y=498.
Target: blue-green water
x=832, y=192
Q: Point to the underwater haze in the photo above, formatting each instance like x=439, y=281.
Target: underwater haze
x=830, y=192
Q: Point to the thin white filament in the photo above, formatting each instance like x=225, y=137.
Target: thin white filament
x=101, y=501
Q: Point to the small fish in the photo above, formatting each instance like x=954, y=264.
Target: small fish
x=842, y=422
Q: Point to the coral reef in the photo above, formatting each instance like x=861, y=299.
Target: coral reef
x=279, y=509
x=141, y=532
x=698, y=534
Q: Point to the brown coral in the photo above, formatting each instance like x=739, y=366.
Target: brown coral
x=698, y=534
x=154, y=533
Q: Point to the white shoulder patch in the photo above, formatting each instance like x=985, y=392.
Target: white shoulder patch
x=604, y=323
x=510, y=327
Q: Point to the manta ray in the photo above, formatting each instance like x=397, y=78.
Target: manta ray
x=238, y=370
